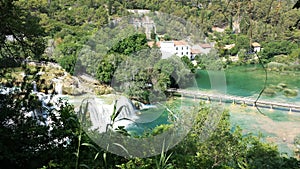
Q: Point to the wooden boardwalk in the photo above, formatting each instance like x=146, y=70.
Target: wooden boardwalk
x=236, y=99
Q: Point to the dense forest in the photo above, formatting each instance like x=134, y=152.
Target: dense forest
x=57, y=31
x=67, y=25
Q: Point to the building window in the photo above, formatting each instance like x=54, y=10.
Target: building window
x=181, y=53
x=187, y=47
x=187, y=53
x=176, y=48
x=182, y=48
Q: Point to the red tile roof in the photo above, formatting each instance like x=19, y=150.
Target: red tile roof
x=205, y=45
x=195, y=51
x=255, y=44
x=180, y=43
x=151, y=43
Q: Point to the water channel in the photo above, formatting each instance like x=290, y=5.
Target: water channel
x=277, y=126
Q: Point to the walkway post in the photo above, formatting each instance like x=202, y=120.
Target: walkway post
x=271, y=107
x=208, y=99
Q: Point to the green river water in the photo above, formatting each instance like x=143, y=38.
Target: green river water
x=277, y=126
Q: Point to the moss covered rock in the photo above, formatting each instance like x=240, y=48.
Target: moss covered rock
x=269, y=92
x=100, y=89
x=290, y=92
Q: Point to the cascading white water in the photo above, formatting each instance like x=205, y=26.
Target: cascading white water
x=128, y=110
x=100, y=114
x=58, y=86
x=34, y=86
x=128, y=113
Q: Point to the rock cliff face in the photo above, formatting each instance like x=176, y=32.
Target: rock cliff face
x=54, y=79
x=81, y=84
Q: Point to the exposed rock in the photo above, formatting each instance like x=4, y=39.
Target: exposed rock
x=51, y=74
x=100, y=90
x=290, y=92
x=269, y=92
x=282, y=85
x=71, y=86
x=275, y=66
x=72, y=90
x=88, y=79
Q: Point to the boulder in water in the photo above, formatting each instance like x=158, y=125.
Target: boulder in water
x=72, y=90
x=269, y=92
x=290, y=92
x=101, y=89
x=282, y=85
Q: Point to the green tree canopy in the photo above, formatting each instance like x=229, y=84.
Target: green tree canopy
x=130, y=44
x=20, y=33
x=272, y=49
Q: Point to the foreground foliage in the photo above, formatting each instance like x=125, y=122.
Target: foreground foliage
x=27, y=143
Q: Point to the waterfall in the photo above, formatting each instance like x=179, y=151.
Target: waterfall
x=99, y=114
x=128, y=110
x=147, y=106
x=58, y=86
x=34, y=86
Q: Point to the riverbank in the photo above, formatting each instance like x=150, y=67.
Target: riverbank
x=276, y=127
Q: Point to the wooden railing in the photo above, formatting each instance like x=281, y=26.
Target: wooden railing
x=237, y=99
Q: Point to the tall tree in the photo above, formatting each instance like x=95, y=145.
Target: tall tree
x=20, y=33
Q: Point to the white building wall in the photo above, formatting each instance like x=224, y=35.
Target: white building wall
x=256, y=49
x=168, y=48
x=183, y=50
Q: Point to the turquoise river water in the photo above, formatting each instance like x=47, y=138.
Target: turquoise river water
x=277, y=126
